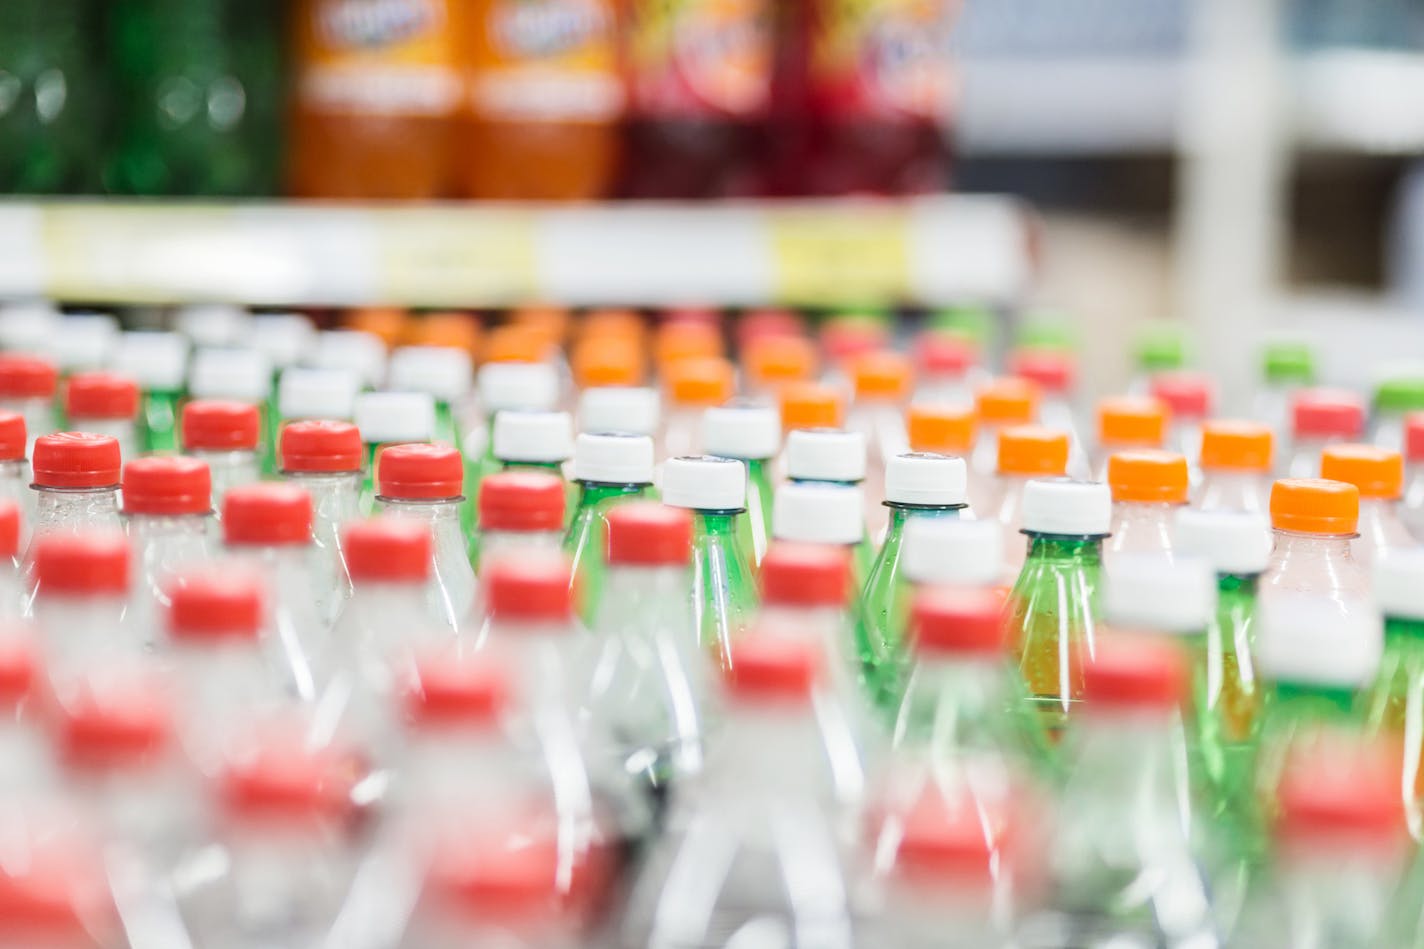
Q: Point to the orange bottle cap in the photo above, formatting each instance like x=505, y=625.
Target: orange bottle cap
x=811, y=405
x=513, y=343
x=1007, y=401
x=706, y=381
x=1315, y=506
x=607, y=361
x=550, y=321
x=776, y=360
x=1245, y=446
x=1148, y=475
x=1376, y=472
x=946, y=429
x=1033, y=451
x=453, y=330
x=678, y=341
x=384, y=321
x=882, y=375
x=1130, y=420
x=623, y=324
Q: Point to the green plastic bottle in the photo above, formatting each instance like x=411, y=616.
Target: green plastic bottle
x=390, y=418
x=751, y=434
x=1053, y=608
x=158, y=362
x=1394, y=708
x=609, y=469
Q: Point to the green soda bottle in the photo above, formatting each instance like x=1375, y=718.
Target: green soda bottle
x=724, y=591
x=832, y=456
x=390, y=418
x=538, y=441
x=1394, y=707
x=158, y=362
x=609, y=469
x=918, y=486
x=751, y=434
x=1053, y=609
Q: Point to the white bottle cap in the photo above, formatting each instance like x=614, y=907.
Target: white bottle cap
x=153, y=360
x=317, y=394
x=1231, y=541
x=750, y=432
x=1399, y=583
x=1067, y=507
x=1306, y=638
x=626, y=409
x=286, y=338
x=353, y=350
x=445, y=373
x=1159, y=594
x=825, y=454
x=705, y=483
x=28, y=327
x=613, y=458
x=818, y=513
x=214, y=324
x=385, y=417
x=916, y=477
x=533, y=436
x=84, y=341
x=518, y=385
x=240, y=374
x=951, y=551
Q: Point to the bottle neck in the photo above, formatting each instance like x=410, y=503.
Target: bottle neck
x=1402, y=630
x=1084, y=549
x=154, y=526
x=1237, y=584
x=716, y=523
x=1325, y=697
x=554, y=467
x=436, y=511
x=1293, y=543
x=593, y=492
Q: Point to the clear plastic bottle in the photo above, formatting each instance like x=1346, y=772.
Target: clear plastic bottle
x=169, y=511
x=610, y=469
x=751, y=434
x=882, y=383
x=388, y=419
x=1314, y=525
x=816, y=512
x=519, y=511
x=1394, y=707
x=106, y=404
x=225, y=435
x=1412, y=508
x=1378, y=473
x=158, y=362
x=1000, y=404
x=629, y=410
x=1236, y=460
x=15, y=472
x=1055, y=372
x=323, y=458
x=1128, y=423
x=1148, y=487
x=27, y=386
x=82, y=589
x=1394, y=398
x=690, y=388
x=28, y=775
x=1189, y=398
x=444, y=373
x=12, y=591
x=76, y=488
x=944, y=362
x=1026, y=452
x=1287, y=367
x=1320, y=417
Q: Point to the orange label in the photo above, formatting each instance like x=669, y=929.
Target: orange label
x=694, y=57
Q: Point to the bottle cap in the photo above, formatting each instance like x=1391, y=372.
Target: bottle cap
x=768, y=323
x=1027, y=451
x=167, y=485
x=386, y=323
x=644, y=533
x=958, y=621
x=539, y=437
x=613, y=458
x=1400, y=394
x=388, y=549
x=946, y=840
x=805, y=575
x=1149, y=476
x=9, y=528
x=420, y=472
x=19, y=668
x=452, y=329
x=1052, y=370
x=529, y=589
x=516, y=345
x=441, y=372
x=882, y=375
x=76, y=460
x=1327, y=413
x=215, y=604
x=1305, y=638
x=387, y=417
x=946, y=429
x=457, y=690
x=317, y=393
x=551, y=323
x=678, y=340
x=242, y=375
x=12, y=436
x=607, y=361
x=1135, y=672
x=613, y=322
x=1288, y=362
x=266, y=514
x=1130, y=420
x=287, y=780
x=1162, y=347
x=355, y=351
x=810, y=405
x=1377, y=472
x=1066, y=507
x=818, y=513
x=1047, y=329
x=773, y=361
x=220, y=426
x=847, y=336
x=213, y=324
x=27, y=327
x=518, y=385
x=84, y=341
x=705, y=483
x=1238, y=446
x=924, y=478
x=1007, y=401
x=114, y=722
x=939, y=353
x=1414, y=437
x=94, y=563
x=521, y=501
x=952, y=551
x=748, y=432
x=27, y=377
x=1315, y=506
x=825, y=454
x=320, y=446
x=1399, y=583
x=1341, y=794
x=705, y=381
x=157, y=361
x=1231, y=541
x=1187, y=395
x=633, y=411
x=1159, y=594
x=773, y=668
x=284, y=338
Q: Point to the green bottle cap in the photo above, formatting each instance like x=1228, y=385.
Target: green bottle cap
x=1400, y=394
x=1046, y=333
x=1162, y=348
x=974, y=323
x=1289, y=362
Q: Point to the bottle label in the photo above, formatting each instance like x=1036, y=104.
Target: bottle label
x=883, y=58
x=702, y=57
x=547, y=60
x=383, y=57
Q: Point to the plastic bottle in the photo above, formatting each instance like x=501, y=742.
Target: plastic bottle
x=771, y=362
x=81, y=590
x=358, y=351
x=423, y=482
x=27, y=386
x=1026, y=452
x=225, y=435
x=1236, y=459
x=1055, y=373
x=506, y=386
x=882, y=383
x=1321, y=417
x=1412, y=507
x=629, y=410
x=12, y=594
x=1147, y=489
x=235, y=375
x=106, y=404
x=1394, y=399
x=323, y=458
x=944, y=362
x=817, y=512
x=168, y=507
x=27, y=766
x=609, y=469
x=158, y=362
x=750, y=434
x=442, y=372
x=1287, y=366
x=1190, y=398
x=691, y=387
x=1394, y=707
x=954, y=552
x=1000, y=404
x=1314, y=524
x=1053, y=611
x=76, y=488
x=519, y=510
x=387, y=419
x=1379, y=475
x=15, y=471
x=1128, y=423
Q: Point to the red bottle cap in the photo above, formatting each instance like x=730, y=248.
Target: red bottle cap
x=521, y=501
x=95, y=563
x=12, y=436
x=958, y=621
x=1414, y=436
x=27, y=377
x=645, y=533
x=943, y=353
x=9, y=528
x=215, y=605
x=529, y=589
x=267, y=514
x=1186, y=394
x=420, y=472
x=220, y=426
x=771, y=667
x=499, y=884
x=1327, y=413
x=1050, y=370
x=103, y=395
x=114, y=724
x=388, y=549
x=805, y=575
x=946, y=839
x=76, y=460
x=19, y=668
x=1135, y=672
x=320, y=446
x=1342, y=791
x=457, y=690
x=169, y=484
x=284, y=780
